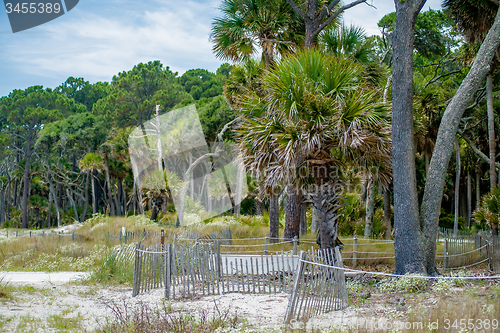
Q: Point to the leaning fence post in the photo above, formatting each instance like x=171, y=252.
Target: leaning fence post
x=168, y=271
x=266, y=246
x=295, y=240
x=489, y=253
x=137, y=278
x=354, y=251
x=445, y=253
x=296, y=284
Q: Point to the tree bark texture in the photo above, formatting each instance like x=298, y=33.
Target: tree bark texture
x=433, y=192
x=491, y=130
x=457, y=187
x=408, y=244
x=387, y=214
x=293, y=208
x=370, y=209
x=26, y=181
x=274, y=218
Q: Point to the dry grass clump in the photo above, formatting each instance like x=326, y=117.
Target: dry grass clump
x=146, y=319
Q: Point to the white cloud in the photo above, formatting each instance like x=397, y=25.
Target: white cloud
x=97, y=48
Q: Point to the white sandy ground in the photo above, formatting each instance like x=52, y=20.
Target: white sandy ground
x=56, y=294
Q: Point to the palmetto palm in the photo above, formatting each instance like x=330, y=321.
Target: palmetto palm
x=247, y=25
x=351, y=42
x=489, y=210
x=316, y=116
x=347, y=41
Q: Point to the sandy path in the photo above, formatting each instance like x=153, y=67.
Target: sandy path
x=40, y=279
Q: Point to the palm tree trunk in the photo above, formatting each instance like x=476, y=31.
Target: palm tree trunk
x=293, y=204
x=370, y=209
x=86, y=205
x=457, y=187
x=326, y=201
x=491, y=129
x=94, y=192
x=108, y=185
x=387, y=214
x=303, y=219
x=274, y=217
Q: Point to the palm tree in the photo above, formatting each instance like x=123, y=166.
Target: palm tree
x=247, y=25
x=489, y=210
x=316, y=116
x=90, y=163
x=474, y=19
x=347, y=41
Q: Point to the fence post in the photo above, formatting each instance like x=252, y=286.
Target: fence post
x=266, y=246
x=168, y=270
x=445, y=253
x=295, y=292
x=355, y=251
x=73, y=236
x=295, y=240
x=137, y=272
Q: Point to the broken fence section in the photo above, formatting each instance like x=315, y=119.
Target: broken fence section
x=319, y=285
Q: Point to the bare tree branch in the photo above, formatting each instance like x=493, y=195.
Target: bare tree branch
x=478, y=152
x=337, y=13
x=297, y=9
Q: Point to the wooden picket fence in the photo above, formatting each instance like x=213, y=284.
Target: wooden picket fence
x=319, y=285
x=494, y=255
x=191, y=235
x=200, y=269
x=464, y=251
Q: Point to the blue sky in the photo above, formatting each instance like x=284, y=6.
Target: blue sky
x=100, y=38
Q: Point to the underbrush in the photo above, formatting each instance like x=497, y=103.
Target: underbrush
x=146, y=319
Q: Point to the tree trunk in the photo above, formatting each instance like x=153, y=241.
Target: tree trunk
x=70, y=197
x=108, y=186
x=364, y=187
x=370, y=208
x=326, y=201
x=303, y=219
x=116, y=196
x=86, y=205
x=293, y=205
x=408, y=245
x=26, y=182
x=259, y=207
x=154, y=213
x=314, y=221
x=469, y=198
x=478, y=189
x=94, y=192
x=491, y=130
x=457, y=187
x=387, y=214
x=274, y=217
x=434, y=185
x=52, y=189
